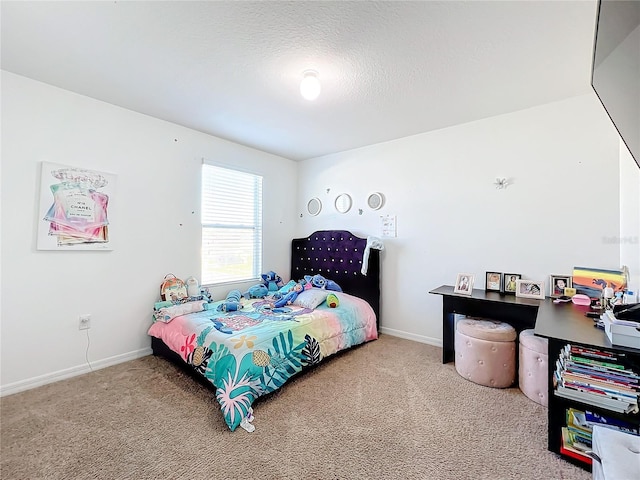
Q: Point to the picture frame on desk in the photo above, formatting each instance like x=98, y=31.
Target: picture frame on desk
x=509, y=283
x=529, y=289
x=464, y=284
x=493, y=282
x=557, y=284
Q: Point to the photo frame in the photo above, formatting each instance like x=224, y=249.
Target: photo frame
x=493, y=282
x=529, y=289
x=557, y=284
x=464, y=284
x=509, y=283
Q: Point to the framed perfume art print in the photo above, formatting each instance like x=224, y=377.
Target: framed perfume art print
x=75, y=208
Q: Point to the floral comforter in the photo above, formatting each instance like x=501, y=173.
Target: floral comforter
x=255, y=350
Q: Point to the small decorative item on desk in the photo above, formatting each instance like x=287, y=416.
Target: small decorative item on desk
x=558, y=284
x=607, y=298
x=592, y=281
x=464, y=284
x=529, y=289
x=509, y=283
x=493, y=281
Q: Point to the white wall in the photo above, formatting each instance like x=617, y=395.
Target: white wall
x=155, y=227
x=629, y=217
x=563, y=159
x=563, y=162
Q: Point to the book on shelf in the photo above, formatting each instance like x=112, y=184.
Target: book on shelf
x=578, y=428
x=608, y=391
x=594, y=418
x=567, y=448
x=602, y=401
x=596, y=380
x=615, y=363
x=607, y=384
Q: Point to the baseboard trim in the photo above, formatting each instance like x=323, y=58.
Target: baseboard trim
x=34, y=382
x=436, y=342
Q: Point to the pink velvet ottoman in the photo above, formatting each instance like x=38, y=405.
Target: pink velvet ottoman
x=534, y=362
x=486, y=352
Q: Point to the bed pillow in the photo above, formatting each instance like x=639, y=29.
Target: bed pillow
x=311, y=298
x=166, y=314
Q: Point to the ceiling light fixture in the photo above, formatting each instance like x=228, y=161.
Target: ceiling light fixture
x=310, y=85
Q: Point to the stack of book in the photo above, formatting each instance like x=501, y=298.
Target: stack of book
x=597, y=377
x=578, y=434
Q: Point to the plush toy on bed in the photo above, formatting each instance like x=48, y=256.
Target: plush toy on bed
x=232, y=302
x=332, y=300
x=193, y=287
x=287, y=287
x=257, y=291
x=318, y=281
x=290, y=297
x=272, y=281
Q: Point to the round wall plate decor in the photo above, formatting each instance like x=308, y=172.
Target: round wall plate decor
x=375, y=201
x=343, y=203
x=314, y=206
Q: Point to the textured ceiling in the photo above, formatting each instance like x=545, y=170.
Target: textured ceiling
x=232, y=69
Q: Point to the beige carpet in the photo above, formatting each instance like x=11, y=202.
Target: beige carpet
x=385, y=410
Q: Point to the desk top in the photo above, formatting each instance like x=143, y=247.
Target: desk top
x=562, y=321
x=484, y=295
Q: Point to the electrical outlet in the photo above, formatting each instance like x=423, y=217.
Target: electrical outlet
x=85, y=322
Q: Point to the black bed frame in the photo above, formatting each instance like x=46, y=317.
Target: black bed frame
x=337, y=255
x=334, y=254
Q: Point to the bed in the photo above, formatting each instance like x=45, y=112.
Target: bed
x=251, y=352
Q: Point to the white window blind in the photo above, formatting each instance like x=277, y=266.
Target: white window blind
x=231, y=225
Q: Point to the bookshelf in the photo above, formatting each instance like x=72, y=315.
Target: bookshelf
x=577, y=402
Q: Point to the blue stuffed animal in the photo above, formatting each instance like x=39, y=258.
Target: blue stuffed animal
x=287, y=287
x=272, y=281
x=318, y=281
x=257, y=291
x=232, y=302
x=290, y=297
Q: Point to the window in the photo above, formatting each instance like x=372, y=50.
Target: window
x=231, y=225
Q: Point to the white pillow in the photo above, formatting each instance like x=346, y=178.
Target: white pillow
x=311, y=298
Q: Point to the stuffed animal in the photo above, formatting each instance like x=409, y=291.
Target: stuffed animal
x=257, y=291
x=332, y=300
x=290, y=297
x=232, y=302
x=318, y=281
x=272, y=281
x=193, y=288
x=287, y=287
x=206, y=294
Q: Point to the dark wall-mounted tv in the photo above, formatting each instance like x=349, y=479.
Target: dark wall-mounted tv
x=615, y=72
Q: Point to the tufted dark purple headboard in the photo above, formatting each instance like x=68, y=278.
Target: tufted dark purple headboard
x=337, y=255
